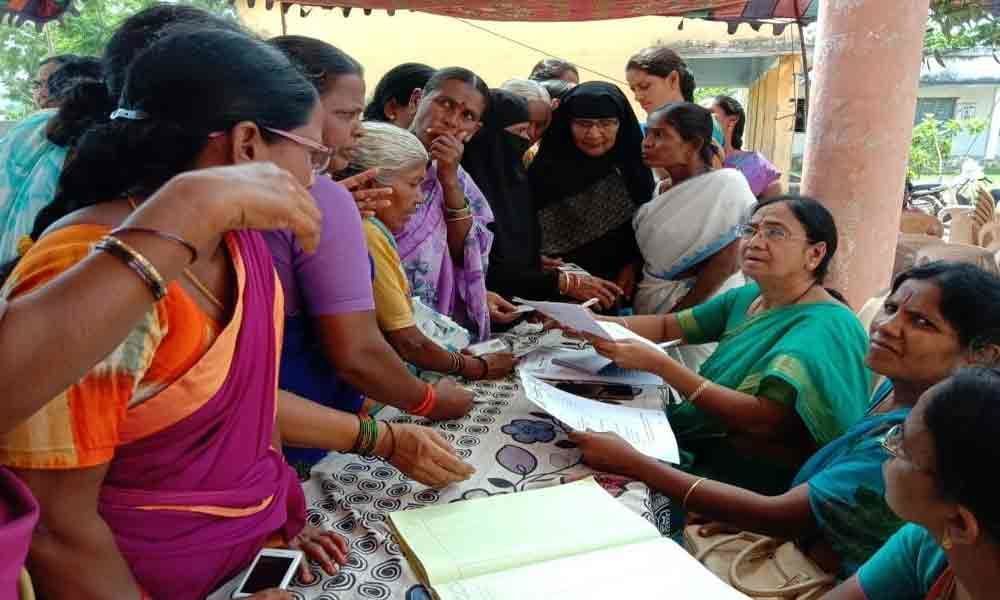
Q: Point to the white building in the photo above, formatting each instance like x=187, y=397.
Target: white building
x=966, y=87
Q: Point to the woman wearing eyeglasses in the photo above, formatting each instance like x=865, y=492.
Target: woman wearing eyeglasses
x=588, y=180
x=938, y=317
x=935, y=479
x=158, y=469
x=689, y=234
x=334, y=353
x=788, y=375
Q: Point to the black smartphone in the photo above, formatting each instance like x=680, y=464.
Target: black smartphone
x=600, y=391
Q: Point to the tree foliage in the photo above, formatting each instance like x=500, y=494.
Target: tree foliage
x=960, y=25
x=85, y=33
x=933, y=141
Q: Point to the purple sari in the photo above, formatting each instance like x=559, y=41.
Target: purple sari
x=18, y=515
x=191, y=503
x=458, y=291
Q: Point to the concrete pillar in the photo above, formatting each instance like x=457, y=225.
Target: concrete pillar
x=867, y=69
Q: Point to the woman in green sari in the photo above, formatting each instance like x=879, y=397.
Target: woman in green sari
x=788, y=375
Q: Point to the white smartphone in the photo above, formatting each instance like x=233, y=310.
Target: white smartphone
x=273, y=568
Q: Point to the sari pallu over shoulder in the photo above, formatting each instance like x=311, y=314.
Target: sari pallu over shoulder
x=455, y=290
x=190, y=503
x=815, y=349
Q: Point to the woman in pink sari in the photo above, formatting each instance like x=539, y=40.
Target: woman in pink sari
x=157, y=473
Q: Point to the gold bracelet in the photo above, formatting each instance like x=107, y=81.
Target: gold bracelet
x=457, y=219
x=134, y=260
x=701, y=388
x=691, y=489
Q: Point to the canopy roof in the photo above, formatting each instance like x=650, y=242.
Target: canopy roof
x=41, y=11
x=591, y=10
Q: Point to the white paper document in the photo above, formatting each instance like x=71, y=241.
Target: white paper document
x=574, y=316
x=647, y=430
x=545, y=363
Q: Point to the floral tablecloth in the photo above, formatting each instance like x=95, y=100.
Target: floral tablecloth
x=513, y=446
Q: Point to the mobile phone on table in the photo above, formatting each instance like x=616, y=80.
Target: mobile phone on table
x=600, y=391
x=273, y=568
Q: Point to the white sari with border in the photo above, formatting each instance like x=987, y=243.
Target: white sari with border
x=680, y=229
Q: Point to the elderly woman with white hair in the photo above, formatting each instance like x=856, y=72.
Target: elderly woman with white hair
x=539, y=105
x=402, y=165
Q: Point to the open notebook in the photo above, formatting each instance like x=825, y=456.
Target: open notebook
x=567, y=541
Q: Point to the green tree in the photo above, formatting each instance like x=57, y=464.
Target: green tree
x=85, y=33
x=960, y=25
x=933, y=141
x=704, y=93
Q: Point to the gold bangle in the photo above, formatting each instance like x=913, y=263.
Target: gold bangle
x=457, y=219
x=134, y=260
x=701, y=388
x=687, y=496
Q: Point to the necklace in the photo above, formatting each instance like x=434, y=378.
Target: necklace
x=197, y=283
x=760, y=299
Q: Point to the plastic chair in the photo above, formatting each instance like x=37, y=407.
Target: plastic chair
x=973, y=255
x=963, y=229
x=989, y=234
x=918, y=222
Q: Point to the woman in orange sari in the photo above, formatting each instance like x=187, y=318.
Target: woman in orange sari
x=157, y=473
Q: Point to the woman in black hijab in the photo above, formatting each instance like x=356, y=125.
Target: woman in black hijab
x=494, y=160
x=588, y=179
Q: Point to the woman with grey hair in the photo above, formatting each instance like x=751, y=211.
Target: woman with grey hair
x=539, y=105
x=402, y=165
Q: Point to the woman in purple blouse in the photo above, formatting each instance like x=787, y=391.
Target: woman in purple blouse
x=764, y=178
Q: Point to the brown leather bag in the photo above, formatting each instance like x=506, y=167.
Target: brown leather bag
x=759, y=566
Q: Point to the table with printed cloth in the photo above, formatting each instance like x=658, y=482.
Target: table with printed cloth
x=514, y=447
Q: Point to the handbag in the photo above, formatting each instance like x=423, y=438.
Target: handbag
x=759, y=566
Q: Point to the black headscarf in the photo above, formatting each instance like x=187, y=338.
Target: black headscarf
x=491, y=157
x=494, y=160
x=560, y=169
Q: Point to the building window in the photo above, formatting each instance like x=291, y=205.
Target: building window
x=800, y=115
x=943, y=109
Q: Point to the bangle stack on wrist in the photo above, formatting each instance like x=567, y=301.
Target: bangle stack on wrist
x=458, y=214
x=367, y=436
x=457, y=363
x=568, y=283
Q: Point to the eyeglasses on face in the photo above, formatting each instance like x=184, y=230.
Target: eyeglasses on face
x=588, y=124
x=892, y=442
x=319, y=154
x=770, y=233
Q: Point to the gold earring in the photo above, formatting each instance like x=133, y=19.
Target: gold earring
x=946, y=542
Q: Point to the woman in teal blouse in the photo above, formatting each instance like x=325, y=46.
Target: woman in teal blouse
x=936, y=480
x=788, y=375
x=930, y=324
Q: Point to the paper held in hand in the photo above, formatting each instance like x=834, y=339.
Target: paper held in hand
x=646, y=429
